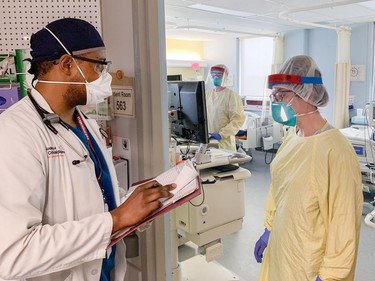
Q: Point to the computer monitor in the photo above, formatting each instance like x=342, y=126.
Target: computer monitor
x=187, y=103
x=174, y=77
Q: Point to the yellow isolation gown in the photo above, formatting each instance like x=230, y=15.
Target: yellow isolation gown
x=313, y=209
x=225, y=115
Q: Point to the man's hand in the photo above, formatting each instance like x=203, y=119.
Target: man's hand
x=143, y=201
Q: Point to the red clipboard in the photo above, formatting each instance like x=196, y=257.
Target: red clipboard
x=119, y=235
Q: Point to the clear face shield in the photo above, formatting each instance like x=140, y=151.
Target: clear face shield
x=217, y=76
x=282, y=84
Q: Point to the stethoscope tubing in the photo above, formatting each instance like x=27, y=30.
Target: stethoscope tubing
x=49, y=119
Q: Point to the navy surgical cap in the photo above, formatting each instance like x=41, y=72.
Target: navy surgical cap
x=75, y=34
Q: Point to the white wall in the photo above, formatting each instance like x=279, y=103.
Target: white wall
x=117, y=28
x=133, y=31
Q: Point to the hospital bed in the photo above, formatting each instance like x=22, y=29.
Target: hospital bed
x=258, y=132
x=362, y=139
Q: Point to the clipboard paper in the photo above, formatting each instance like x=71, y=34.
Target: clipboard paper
x=188, y=187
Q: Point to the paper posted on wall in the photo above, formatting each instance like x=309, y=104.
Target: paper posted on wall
x=188, y=187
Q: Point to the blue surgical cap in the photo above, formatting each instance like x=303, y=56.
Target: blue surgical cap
x=74, y=34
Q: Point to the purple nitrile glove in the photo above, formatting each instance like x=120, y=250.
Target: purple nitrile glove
x=216, y=136
x=261, y=245
x=318, y=279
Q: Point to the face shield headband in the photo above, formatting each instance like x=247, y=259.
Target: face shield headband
x=218, y=68
x=275, y=79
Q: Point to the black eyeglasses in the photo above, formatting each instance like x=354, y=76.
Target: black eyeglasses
x=101, y=66
x=278, y=95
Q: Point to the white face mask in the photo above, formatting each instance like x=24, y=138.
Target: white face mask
x=99, y=89
x=96, y=91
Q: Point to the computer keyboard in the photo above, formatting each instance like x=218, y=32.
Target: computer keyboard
x=226, y=168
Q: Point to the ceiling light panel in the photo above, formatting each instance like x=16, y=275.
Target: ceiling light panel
x=183, y=16
x=231, y=7
x=215, y=9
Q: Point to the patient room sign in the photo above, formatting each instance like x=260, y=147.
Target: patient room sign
x=123, y=101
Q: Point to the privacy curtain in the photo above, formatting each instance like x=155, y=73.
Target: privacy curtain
x=342, y=79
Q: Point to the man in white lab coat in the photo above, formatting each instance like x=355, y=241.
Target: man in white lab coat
x=60, y=202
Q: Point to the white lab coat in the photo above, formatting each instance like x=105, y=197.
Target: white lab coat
x=53, y=223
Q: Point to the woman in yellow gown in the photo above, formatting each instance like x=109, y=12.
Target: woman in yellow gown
x=314, y=205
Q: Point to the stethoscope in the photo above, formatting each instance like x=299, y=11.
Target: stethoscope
x=52, y=118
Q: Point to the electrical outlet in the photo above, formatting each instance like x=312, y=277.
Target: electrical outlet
x=125, y=144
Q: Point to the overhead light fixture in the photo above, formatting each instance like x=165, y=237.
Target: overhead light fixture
x=219, y=10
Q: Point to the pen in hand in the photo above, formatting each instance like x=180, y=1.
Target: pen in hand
x=143, y=201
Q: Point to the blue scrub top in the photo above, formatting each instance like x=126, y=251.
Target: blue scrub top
x=106, y=187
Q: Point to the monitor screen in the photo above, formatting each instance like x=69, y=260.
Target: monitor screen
x=359, y=150
x=174, y=77
x=187, y=101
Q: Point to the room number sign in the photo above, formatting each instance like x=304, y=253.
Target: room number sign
x=123, y=101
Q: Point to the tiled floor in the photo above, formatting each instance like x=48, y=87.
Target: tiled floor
x=238, y=247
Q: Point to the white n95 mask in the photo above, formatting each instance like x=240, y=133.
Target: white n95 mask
x=99, y=89
x=96, y=91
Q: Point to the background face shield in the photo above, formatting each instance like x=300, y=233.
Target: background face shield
x=217, y=77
